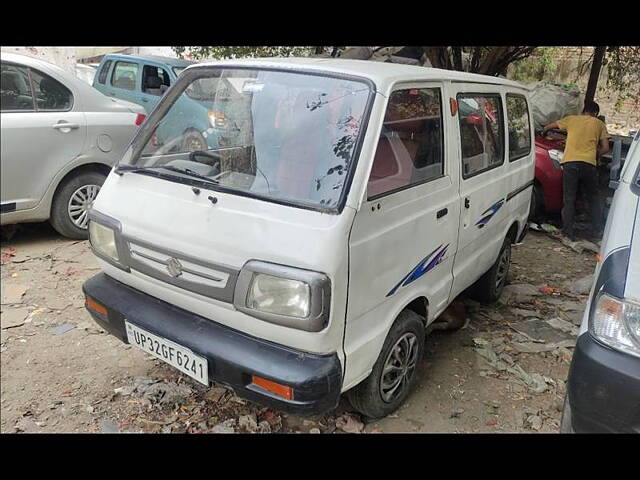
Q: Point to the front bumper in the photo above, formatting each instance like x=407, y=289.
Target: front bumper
x=603, y=390
x=232, y=356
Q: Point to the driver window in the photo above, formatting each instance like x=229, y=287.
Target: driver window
x=124, y=75
x=50, y=94
x=15, y=88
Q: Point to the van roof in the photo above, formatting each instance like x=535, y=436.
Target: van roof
x=172, y=62
x=382, y=74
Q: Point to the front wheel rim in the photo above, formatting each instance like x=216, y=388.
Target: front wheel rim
x=79, y=204
x=503, y=268
x=399, y=368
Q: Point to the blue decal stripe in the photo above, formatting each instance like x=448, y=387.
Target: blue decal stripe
x=492, y=210
x=423, y=267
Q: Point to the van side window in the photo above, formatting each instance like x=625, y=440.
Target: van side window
x=155, y=80
x=102, y=77
x=481, y=132
x=410, y=148
x=49, y=93
x=16, y=88
x=124, y=75
x=519, y=127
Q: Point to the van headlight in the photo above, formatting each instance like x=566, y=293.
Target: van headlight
x=103, y=240
x=279, y=295
x=616, y=323
x=284, y=295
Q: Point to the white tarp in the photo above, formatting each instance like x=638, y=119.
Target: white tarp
x=550, y=103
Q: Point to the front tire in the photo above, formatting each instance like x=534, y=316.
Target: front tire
x=394, y=373
x=489, y=286
x=71, y=204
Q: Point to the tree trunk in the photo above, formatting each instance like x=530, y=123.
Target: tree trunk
x=598, y=56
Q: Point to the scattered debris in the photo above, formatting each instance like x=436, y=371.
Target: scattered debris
x=349, y=423
x=248, y=423
x=6, y=254
x=228, y=426
x=563, y=325
x=12, y=293
x=534, y=381
x=64, y=328
x=456, y=413
x=109, y=426
x=535, y=422
x=13, y=317
x=532, y=347
x=582, y=286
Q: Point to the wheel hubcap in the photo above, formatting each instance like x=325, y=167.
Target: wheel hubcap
x=503, y=268
x=80, y=203
x=399, y=367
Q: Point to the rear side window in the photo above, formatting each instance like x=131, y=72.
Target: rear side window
x=410, y=148
x=125, y=75
x=481, y=132
x=50, y=94
x=155, y=80
x=102, y=77
x=15, y=88
x=519, y=127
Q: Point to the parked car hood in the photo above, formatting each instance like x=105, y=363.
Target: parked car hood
x=549, y=144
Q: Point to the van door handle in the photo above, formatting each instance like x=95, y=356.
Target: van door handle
x=65, y=126
x=145, y=100
x=442, y=213
x=467, y=203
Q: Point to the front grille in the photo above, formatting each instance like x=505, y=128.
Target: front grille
x=184, y=271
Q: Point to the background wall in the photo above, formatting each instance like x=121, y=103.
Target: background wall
x=64, y=57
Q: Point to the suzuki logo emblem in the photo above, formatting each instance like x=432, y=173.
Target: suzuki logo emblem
x=174, y=267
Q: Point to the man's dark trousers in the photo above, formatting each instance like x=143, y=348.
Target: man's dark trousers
x=585, y=175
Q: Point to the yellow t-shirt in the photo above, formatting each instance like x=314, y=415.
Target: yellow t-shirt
x=584, y=132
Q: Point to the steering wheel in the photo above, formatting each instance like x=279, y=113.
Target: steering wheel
x=202, y=153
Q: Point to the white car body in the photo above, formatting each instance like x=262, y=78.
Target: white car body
x=365, y=250
x=37, y=155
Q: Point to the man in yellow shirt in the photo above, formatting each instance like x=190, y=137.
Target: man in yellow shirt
x=587, y=139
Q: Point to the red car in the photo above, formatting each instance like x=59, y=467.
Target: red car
x=547, y=187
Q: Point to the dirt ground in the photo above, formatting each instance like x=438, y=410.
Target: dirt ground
x=62, y=373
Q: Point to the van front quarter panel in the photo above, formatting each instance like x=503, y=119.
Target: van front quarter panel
x=166, y=218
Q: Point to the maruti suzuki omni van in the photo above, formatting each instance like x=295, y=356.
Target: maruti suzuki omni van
x=306, y=257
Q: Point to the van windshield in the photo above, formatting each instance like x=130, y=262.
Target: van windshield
x=285, y=136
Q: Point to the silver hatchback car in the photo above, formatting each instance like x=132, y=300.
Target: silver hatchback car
x=60, y=138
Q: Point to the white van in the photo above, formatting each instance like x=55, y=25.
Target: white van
x=603, y=387
x=339, y=208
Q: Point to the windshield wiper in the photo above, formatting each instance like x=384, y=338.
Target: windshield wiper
x=131, y=168
x=191, y=173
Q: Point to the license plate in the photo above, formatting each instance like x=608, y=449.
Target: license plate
x=170, y=352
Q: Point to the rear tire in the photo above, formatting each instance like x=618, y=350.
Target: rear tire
x=489, y=286
x=379, y=395
x=70, y=205
x=537, y=203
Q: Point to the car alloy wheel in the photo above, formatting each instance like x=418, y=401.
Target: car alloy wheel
x=399, y=367
x=79, y=204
